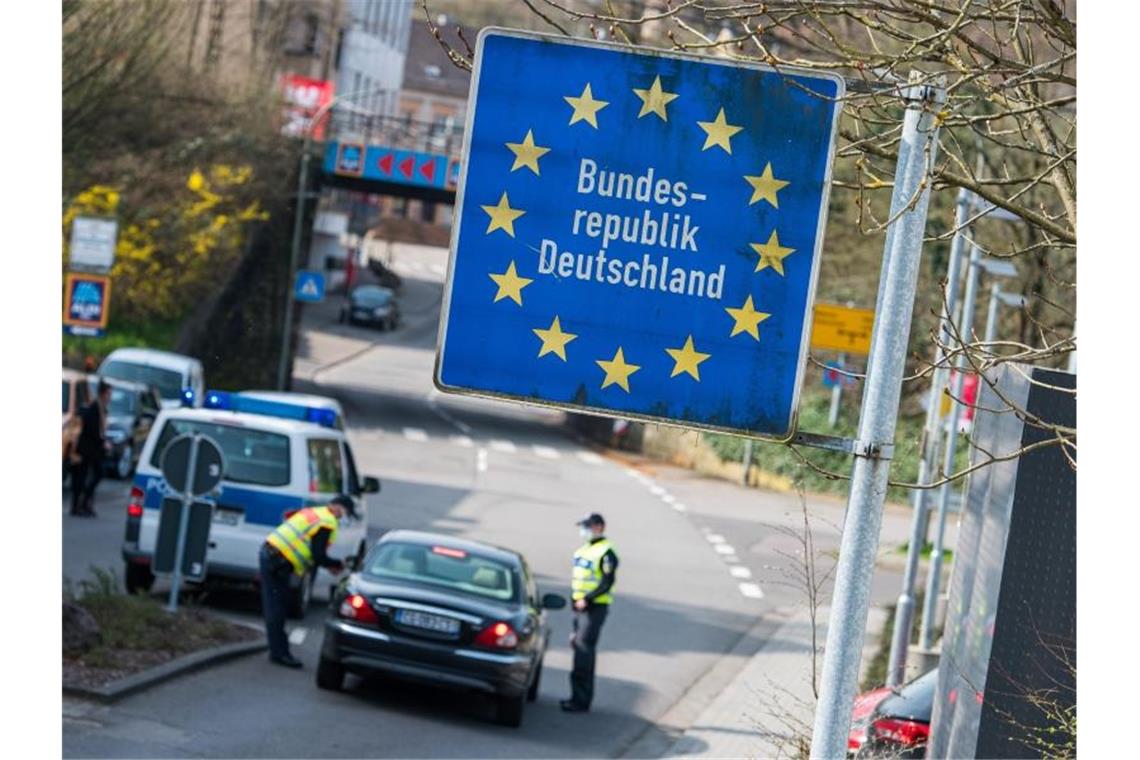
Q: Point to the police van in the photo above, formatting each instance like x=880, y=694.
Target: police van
x=281, y=455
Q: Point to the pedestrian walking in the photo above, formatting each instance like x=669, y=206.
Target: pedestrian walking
x=591, y=588
x=295, y=547
x=87, y=463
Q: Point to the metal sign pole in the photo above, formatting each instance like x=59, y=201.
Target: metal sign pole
x=926, y=631
x=183, y=521
x=904, y=609
x=283, y=361
x=918, y=148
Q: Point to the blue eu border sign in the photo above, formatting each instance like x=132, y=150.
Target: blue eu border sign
x=637, y=234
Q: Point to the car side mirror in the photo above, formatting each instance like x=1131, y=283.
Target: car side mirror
x=371, y=485
x=553, y=601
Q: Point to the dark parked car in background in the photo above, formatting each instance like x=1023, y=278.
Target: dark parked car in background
x=898, y=723
x=442, y=611
x=371, y=305
x=130, y=414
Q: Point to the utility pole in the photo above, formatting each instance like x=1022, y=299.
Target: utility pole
x=917, y=152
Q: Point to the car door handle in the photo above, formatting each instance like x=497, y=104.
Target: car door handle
x=212, y=544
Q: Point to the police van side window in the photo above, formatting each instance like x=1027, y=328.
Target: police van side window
x=326, y=470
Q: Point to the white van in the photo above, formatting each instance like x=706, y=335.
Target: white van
x=178, y=378
x=278, y=459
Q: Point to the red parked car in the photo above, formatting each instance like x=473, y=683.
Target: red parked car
x=893, y=723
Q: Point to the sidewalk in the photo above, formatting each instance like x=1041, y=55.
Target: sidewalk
x=767, y=710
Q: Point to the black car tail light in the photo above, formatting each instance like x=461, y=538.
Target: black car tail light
x=909, y=733
x=356, y=607
x=498, y=635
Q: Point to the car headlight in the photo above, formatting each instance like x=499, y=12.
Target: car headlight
x=116, y=435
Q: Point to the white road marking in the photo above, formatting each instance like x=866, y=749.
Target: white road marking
x=715, y=538
x=481, y=460
x=657, y=490
x=462, y=440
x=751, y=590
x=678, y=506
x=724, y=549
x=590, y=457
x=730, y=559
x=297, y=636
x=546, y=452
x=504, y=446
x=415, y=434
x=668, y=498
x=740, y=571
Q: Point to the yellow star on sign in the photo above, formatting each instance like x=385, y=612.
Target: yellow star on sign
x=687, y=359
x=585, y=107
x=772, y=254
x=747, y=319
x=527, y=153
x=654, y=100
x=554, y=340
x=765, y=187
x=617, y=371
x=502, y=216
x=719, y=132
x=510, y=285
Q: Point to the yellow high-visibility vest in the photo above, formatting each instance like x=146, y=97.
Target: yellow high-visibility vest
x=587, y=573
x=293, y=537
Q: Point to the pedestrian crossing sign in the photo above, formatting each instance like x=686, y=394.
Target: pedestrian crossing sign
x=309, y=287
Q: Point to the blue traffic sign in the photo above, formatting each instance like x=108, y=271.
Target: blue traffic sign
x=309, y=286
x=637, y=234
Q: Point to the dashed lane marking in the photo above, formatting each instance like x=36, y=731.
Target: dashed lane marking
x=505, y=447
x=739, y=571
x=724, y=549
x=589, y=457
x=714, y=538
x=481, y=460
x=678, y=506
x=657, y=490
x=462, y=440
x=546, y=452
x=751, y=590
x=415, y=434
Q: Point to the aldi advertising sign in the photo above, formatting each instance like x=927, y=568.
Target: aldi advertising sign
x=637, y=233
x=86, y=304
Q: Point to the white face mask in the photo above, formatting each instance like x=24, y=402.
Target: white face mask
x=585, y=532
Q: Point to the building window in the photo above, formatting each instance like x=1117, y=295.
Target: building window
x=312, y=34
x=427, y=212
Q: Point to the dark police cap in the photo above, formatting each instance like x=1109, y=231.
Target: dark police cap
x=591, y=520
x=346, y=503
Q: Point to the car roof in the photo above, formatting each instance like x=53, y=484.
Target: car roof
x=305, y=399
x=152, y=357
x=253, y=421
x=423, y=538
x=114, y=382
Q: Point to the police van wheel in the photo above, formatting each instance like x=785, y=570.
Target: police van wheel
x=509, y=710
x=532, y=692
x=300, y=597
x=330, y=675
x=139, y=578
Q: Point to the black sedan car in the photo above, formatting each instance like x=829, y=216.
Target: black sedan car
x=443, y=611
x=130, y=414
x=371, y=305
x=899, y=725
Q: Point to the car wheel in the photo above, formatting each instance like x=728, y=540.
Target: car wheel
x=330, y=674
x=139, y=578
x=532, y=692
x=509, y=710
x=126, y=463
x=300, y=597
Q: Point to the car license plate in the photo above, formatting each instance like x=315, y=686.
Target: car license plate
x=427, y=621
x=230, y=517
x=364, y=313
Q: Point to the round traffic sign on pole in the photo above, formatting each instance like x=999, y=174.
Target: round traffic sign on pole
x=209, y=464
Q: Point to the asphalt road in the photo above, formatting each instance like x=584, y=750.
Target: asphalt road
x=493, y=472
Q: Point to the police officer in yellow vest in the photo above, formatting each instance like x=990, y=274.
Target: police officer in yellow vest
x=295, y=547
x=591, y=588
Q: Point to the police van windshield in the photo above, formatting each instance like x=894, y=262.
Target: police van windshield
x=442, y=567
x=252, y=456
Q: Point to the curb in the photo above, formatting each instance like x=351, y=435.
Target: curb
x=186, y=664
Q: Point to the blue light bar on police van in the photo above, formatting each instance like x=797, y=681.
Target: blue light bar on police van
x=187, y=397
x=235, y=402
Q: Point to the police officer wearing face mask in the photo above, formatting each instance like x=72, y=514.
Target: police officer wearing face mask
x=591, y=587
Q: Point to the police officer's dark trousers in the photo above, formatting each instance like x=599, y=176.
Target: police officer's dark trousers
x=587, y=628
x=275, y=571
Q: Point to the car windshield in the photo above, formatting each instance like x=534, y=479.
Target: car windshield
x=372, y=296
x=168, y=381
x=252, y=456
x=443, y=567
x=66, y=397
x=122, y=402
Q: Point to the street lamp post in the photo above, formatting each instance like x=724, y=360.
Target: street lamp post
x=283, y=362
